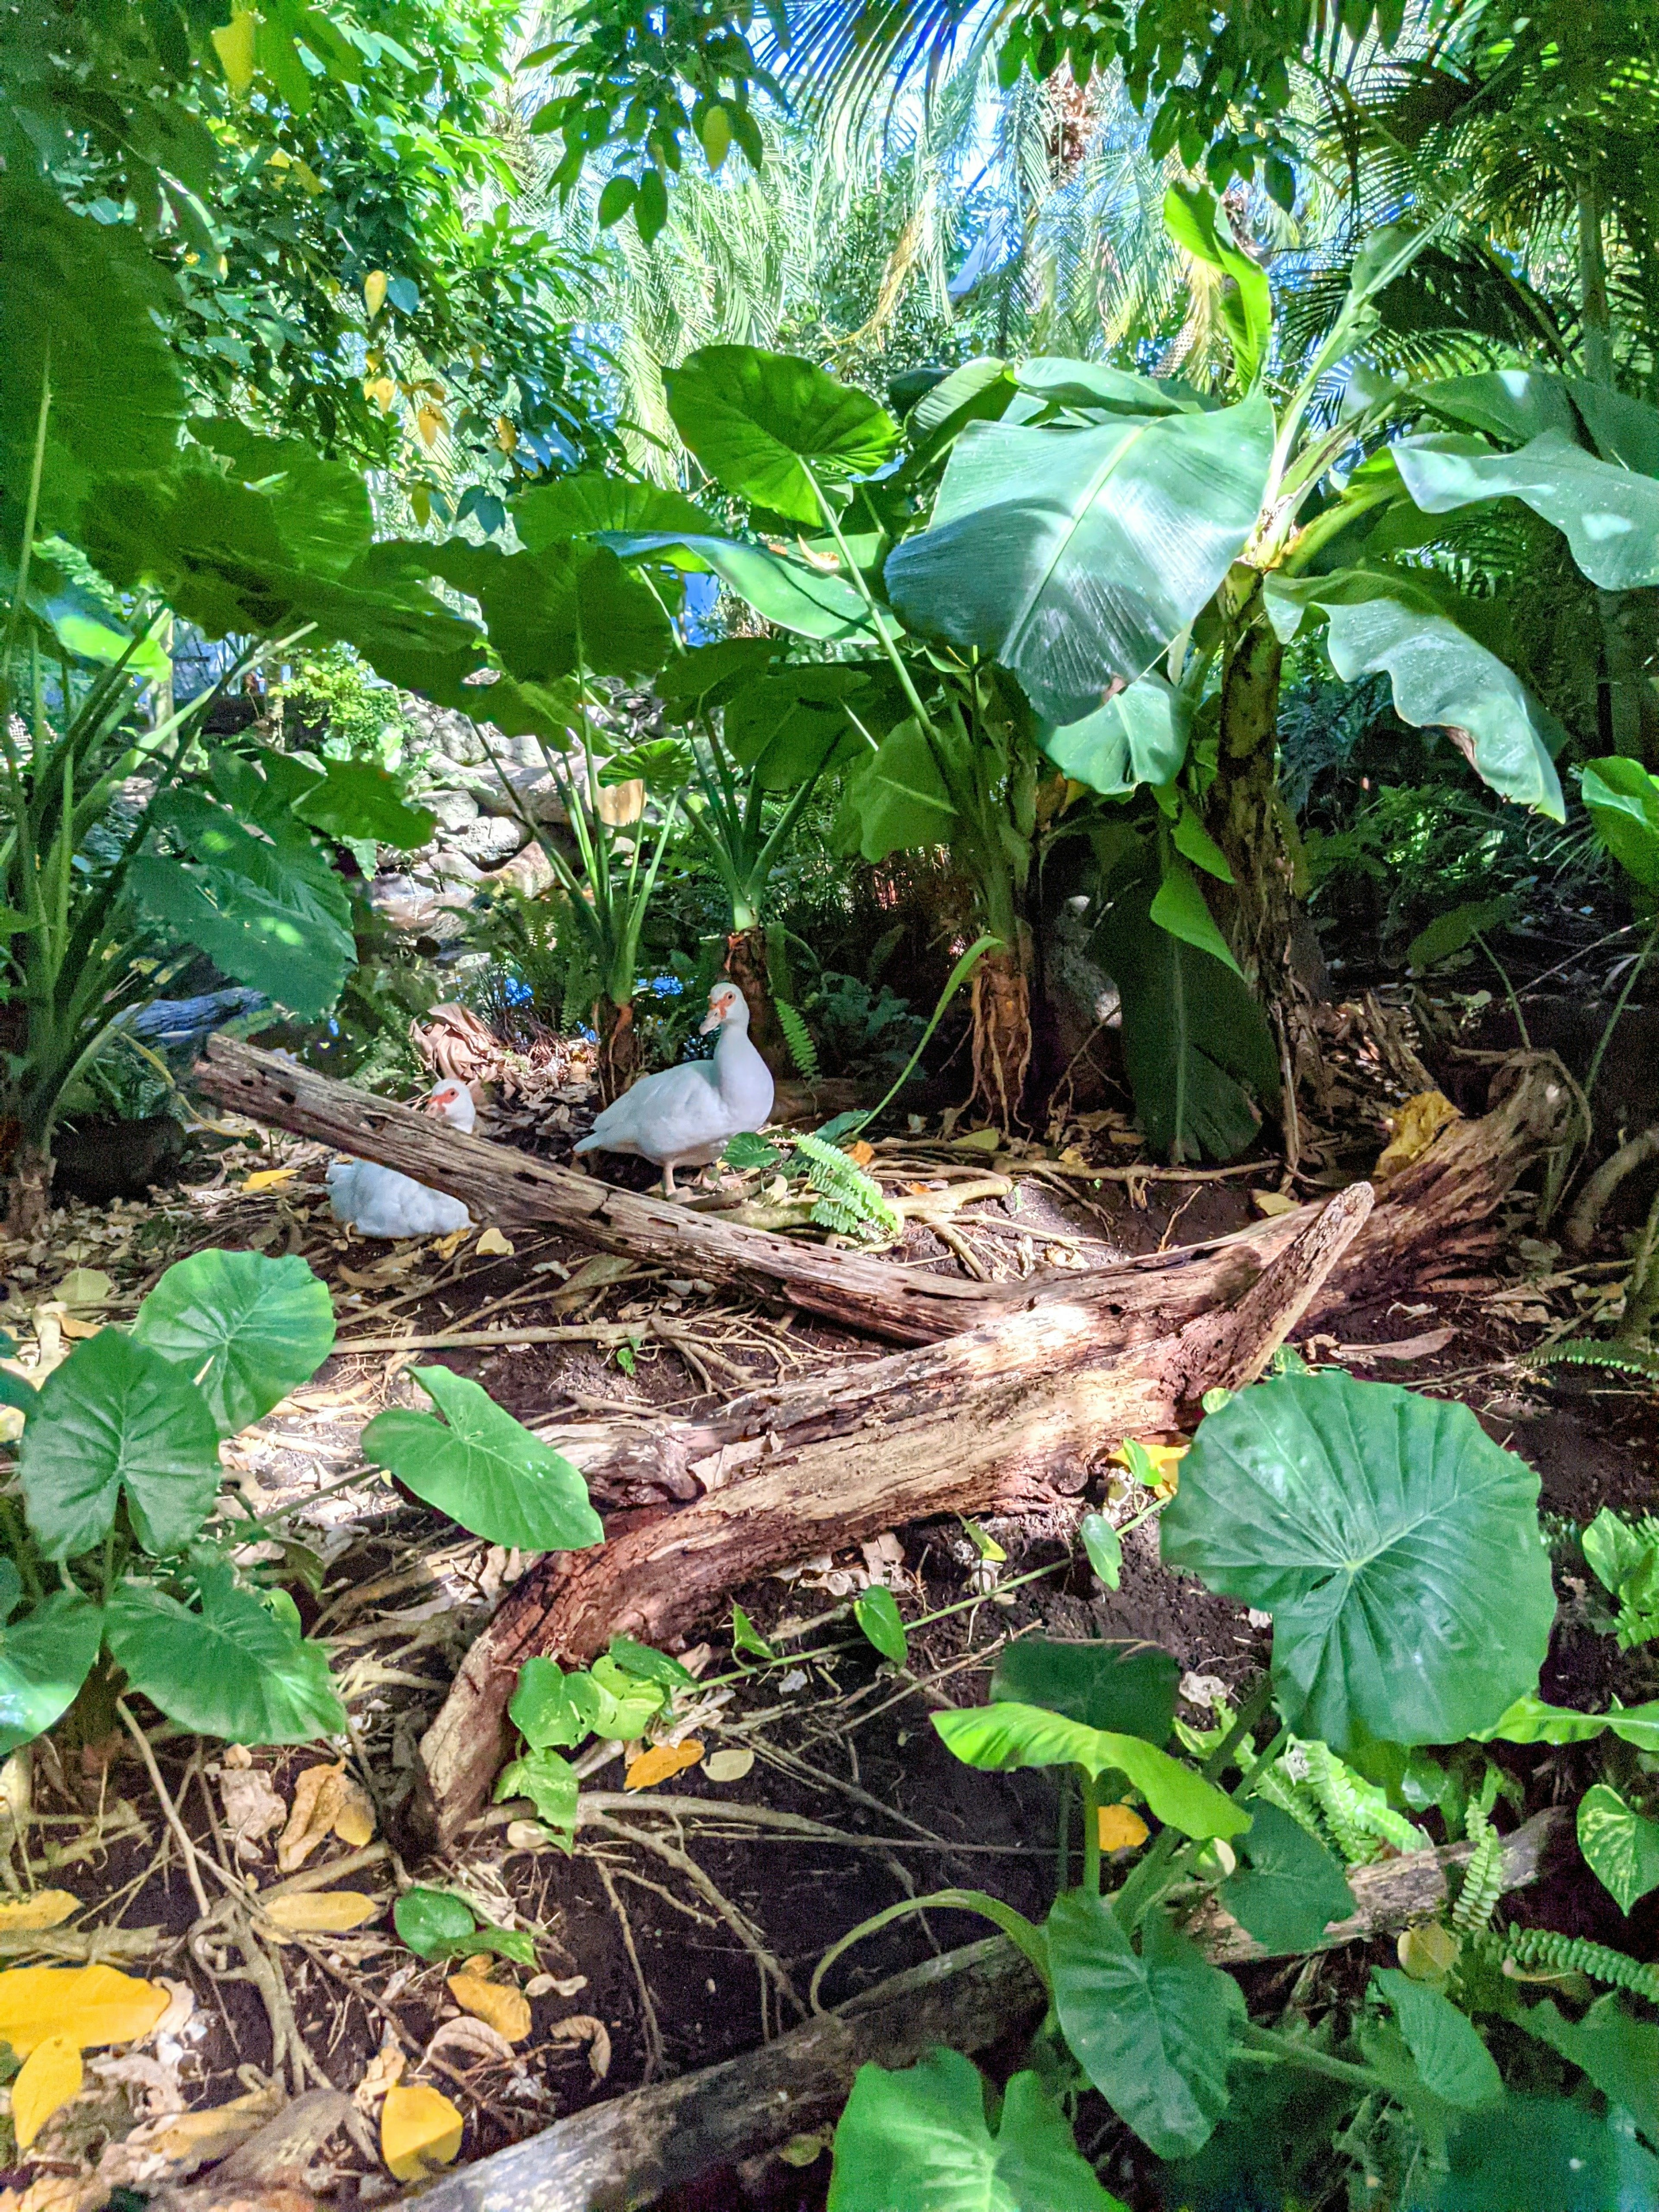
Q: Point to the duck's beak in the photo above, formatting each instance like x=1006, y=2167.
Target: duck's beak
x=712, y=1020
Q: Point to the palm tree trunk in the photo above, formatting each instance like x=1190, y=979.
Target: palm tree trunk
x=750, y=969
x=618, y=1060
x=1246, y=816
x=29, y=1193
x=1002, y=1035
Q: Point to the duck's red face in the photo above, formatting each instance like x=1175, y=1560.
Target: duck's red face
x=723, y=1002
x=445, y=1101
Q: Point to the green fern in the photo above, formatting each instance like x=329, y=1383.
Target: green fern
x=848, y=1201
x=1483, y=1883
x=799, y=1038
x=1572, y=1954
x=1586, y=1352
x=1353, y=1813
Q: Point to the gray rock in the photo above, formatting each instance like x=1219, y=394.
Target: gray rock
x=488, y=840
x=453, y=809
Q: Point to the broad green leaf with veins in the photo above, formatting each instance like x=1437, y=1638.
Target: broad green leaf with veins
x=1135, y=737
x=484, y=1468
x=239, y=1667
x=45, y=1654
x=246, y=1329
x=1609, y=516
x=764, y=425
x=810, y=601
x=1396, y=1547
x=1004, y=1735
x=1074, y=556
x=919, y=2138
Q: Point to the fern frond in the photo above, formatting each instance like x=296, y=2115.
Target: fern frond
x=799, y=1038
x=1483, y=1884
x=848, y=1201
x=1585, y=1351
x=1358, y=1816
x=1574, y=1954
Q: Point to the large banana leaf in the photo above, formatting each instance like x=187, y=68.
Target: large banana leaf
x=1135, y=737
x=1512, y=405
x=1074, y=556
x=1609, y=516
x=1439, y=674
x=895, y=801
x=765, y=425
x=810, y=601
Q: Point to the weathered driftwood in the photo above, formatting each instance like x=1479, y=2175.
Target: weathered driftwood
x=629, y=2152
x=1434, y=1209
x=990, y=1416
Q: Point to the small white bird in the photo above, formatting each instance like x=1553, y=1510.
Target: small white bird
x=686, y=1117
x=380, y=1202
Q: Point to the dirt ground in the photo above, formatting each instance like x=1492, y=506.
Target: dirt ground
x=686, y=1925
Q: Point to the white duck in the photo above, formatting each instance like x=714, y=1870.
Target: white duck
x=380, y=1202
x=686, y=1117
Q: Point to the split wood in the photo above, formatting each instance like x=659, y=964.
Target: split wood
x=1437, y=1206
x=993, y=1416
x=668, y=2136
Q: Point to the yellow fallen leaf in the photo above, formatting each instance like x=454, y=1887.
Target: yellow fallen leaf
x=419, y=2129
x=326, y=1801
x=52, y=2075
x=374, y=291
x=48, y=1908
x=728, y=1766
x=269, y=1179
x=493, y=1242
x=322, y=1911
x=1121, y=1828
x=1273, y=1201
x=384, y=2071
x=498, y=2004
x=89, y=2005
x=1166, y=1460
x=447, y=1247
x=660, y=1761
x=196, y=2138
x=1416, y=1126
x=860, y=1154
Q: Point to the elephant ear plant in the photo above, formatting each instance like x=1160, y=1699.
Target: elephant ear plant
x=119, y=1569
x=1398, y=1551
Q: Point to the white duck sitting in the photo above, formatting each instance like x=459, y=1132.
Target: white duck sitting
x=380, y=1202
x=686, y=1117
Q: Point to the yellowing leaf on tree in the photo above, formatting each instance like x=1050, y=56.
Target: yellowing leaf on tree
x=1121, y=1828
x=52, y=2075
x=326, y=1801
x=269, y=1179
x=322, y=1911
x=1416, y=1126
x=382, y=391
x=429, y=420
x=235, y=46
x=419, y=2129
x=662, y=1760
x=374, y=291
x=492, y=1244
x=87, y=2005
x=498, y=2004
x=48, y=1908
x=507, y=434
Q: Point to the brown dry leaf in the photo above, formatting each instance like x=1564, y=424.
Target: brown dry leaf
x=325, y=1801
x=89, y=2005
x=193, y=2139
x=728, y=1766
x=322, y=1911
x=84, y=1288
x=52, y=2073
x=419, y=2129
x=477, y=2042
x=1414, y=1128
x=252, y=1807
x=493, y=1245
x=48, y=1908
x=1121, y=1828
x=498, y=2004
x=860, y=1154
x=384, y=2071
x=582, y=2027
x=661, y=1761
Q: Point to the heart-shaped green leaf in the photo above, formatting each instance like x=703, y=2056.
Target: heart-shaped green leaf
x=876, y=1610
x=1126, y=1689
x=1151, y=2029
x=484, y=1468
x=765, y=425
x=436, y=1924
x=919, y=2139
x=248, y=1329
x=1455, y=2064
x=45, y=1656
x=238, y=1668
x=999, y=1737
x=1396, y=1547
x=1623, y=800
x=1289, y=1888
x=117, y=1417
x=1620, y=1845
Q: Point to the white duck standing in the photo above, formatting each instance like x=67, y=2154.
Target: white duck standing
x=380, y=1202
x=686, y=1117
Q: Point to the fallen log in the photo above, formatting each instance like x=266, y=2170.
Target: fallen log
x=670, y=2135
x=1437, y=1207
x=996, y=1415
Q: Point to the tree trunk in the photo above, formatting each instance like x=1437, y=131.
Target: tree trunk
x=747, y=964
x=28, y=1196
x=1437, y=1211
x=1002, y=1035
x=618, y=1060
x=1245, y=814
x=1008, y=1414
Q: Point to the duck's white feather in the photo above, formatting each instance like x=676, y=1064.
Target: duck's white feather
x=379, y=1202
x=687, y=1115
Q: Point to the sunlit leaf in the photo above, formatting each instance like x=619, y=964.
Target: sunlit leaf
x=420, y=2129
x=52, y=2075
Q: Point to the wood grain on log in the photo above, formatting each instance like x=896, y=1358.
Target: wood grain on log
x=629, y=2151
x=991, y=1416
x=1437, y=1206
